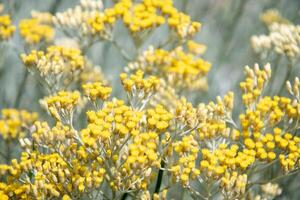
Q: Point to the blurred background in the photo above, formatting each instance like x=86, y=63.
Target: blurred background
x=227, y=26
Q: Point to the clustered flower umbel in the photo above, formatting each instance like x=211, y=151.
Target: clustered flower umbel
x=89, y=22
x=13, y=123
x=283, y=37
x=58, y=66
x=178, y=69
x=96, y=91
x=74, y=21
x=144, y=15
x=34, y=31
x=139, y=89
x=61, y=105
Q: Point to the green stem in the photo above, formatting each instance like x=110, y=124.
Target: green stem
x=159, y=178
x=8, y=151
x=21, y=89
x=55, y=5
x=124, y=196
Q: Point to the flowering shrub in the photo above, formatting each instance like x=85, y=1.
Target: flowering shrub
x=94, y=144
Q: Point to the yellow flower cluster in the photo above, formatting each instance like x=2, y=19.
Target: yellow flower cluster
x=290, y=150
x=213, y=118
x=6, y=28
x=185, y=168
x=53, y=137
x=234, y=185
x=66, y=171
x=178, y=68
x=139, y=89
x=96, y=91
x=100, y=130
x=116, y=133
x=142, y=157
x=145, y=15
x=266, y=113
x=56, y=59
x=34, y=32
x=179, y=63
x=272, y=109
x=62, y=105
x=100, y=24
x=74, y=21
x=186, y=113
x=136, y=82
x=273, y=16
x=266, y=148
x=40, y=176
x=158, y=118
x=254, y=83
x=14, y=122
x=59, y=66
x=225, y=159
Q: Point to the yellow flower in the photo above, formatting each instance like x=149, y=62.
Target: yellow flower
x=14, y=122
x=96, y=91
x=62, y=104
x=34, y=32
x=6, y=28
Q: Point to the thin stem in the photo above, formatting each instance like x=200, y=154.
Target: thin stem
x=8, y=151
x=124, y=196
x=159, y=178
x=55, y=5
x=21, y=89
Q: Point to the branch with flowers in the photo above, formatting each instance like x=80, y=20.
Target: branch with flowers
x=94, y=145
